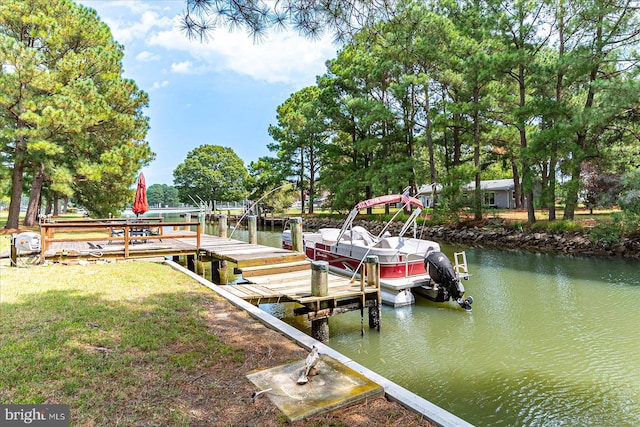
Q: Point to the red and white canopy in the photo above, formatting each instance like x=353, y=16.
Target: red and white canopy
x=390, y=198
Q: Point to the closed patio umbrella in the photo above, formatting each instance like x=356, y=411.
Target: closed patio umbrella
x=140, y=206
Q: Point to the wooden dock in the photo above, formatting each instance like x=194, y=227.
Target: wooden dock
x=276, y=275
x=269, y=274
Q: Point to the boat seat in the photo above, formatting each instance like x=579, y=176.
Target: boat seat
x=384, y=244
x=329, y=235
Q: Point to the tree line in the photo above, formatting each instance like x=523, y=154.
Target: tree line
x=451, y=92
x=429, y=92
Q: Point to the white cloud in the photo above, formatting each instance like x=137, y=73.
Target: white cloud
x=184, y=67
x=283, y=57
x=125, y=31
x=158, y=85
x=146, y=56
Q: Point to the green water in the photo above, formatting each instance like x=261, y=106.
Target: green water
x=552, y=341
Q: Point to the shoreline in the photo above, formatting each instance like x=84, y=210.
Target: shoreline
x=501, y=237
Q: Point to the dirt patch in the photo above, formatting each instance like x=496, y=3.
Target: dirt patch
x=222, y=395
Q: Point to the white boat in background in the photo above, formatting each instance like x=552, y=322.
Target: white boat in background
x=406, y=263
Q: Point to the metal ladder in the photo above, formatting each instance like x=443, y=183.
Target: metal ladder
x=460, y=265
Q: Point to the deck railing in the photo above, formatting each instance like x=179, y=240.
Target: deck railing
x=119, y=230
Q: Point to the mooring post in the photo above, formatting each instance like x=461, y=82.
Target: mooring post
x=201, y=219
x=187, y=218
x=320, y=288
x=219, y=272
x=14, y=252
x=191, y=263
x=373, y=280
x=222, y=225
x=296, y=234
x=253, y=229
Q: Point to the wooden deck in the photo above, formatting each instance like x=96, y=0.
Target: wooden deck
x=246, y=255
x=280, y=275
x=296, y=286
x=271, y=275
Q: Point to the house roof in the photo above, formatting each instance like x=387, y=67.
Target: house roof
x=496, y=184
x=491, y=185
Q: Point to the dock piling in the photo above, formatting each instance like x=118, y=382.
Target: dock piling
x=219, y=272
x=222, y=225
x=320, y=288
x=187, y=218
x=296, y=234
x=253, y=229
x=373, y=280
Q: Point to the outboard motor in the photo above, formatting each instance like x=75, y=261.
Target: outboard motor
x=441, y=272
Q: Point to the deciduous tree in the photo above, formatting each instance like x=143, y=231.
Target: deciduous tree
x=210, y=173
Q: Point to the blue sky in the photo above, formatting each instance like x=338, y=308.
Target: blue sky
x=221, y=92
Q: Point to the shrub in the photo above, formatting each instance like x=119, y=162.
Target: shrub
x=565, y=226
x=610, y=232
x=516, y=225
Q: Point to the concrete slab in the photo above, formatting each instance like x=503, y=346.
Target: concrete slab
x=335, y=386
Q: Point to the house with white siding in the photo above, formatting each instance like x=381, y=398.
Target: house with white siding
x=497, y=193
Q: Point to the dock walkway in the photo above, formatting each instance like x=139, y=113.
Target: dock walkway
x=270, y=275
x=276, y=275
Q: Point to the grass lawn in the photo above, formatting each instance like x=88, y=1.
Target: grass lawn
x=113, y=341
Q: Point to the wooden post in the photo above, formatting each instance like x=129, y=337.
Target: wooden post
x=44, y=245
x=253, y=229
x=126, y=241
x=373, y=279
x=219, y=272
x=201, y=218
x=222, y=225
x=320, y=288
x=319, y=278
x=296, y=234
x=273, y=221
x=373, y=271
x=215, y=272
x=283, y=220
x=14, y=251
x=191, y=263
